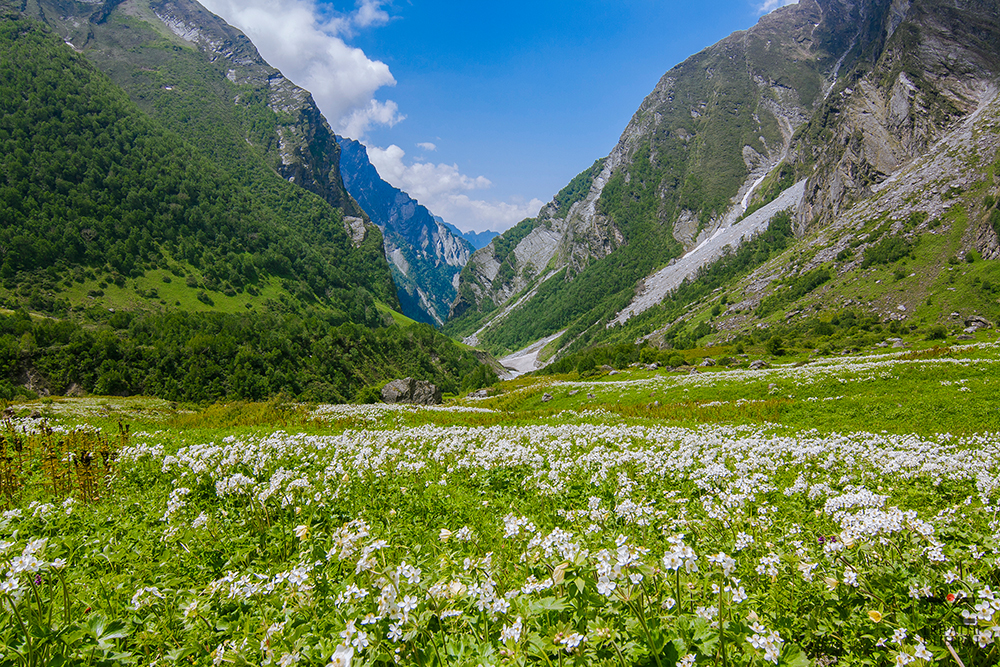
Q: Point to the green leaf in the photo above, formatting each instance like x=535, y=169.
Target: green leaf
x=181, y=652
x=547, y=604
x=793, y=656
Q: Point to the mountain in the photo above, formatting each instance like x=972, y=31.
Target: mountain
x=476, y=239
x=425, y=255
x=810, y=110
x=174, y=207
x=212, y=166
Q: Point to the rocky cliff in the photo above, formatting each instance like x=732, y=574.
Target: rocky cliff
x=919, y=66
x=832, y=94
x=206, y=81
x=425, y=255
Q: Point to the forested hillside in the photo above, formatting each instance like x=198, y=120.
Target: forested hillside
x=93, y=187
x=203, y=357
x=124, y=234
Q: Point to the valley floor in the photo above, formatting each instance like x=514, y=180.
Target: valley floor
x=838, y=510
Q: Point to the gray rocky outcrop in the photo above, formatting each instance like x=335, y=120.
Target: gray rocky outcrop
x=412, y=391
x=977, y=322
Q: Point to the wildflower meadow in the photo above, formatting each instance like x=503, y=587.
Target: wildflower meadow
x=839, y=511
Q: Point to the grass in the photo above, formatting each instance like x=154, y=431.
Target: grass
x=249, y=533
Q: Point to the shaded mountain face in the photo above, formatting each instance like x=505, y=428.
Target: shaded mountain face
x=831, y=95
x=425, y=255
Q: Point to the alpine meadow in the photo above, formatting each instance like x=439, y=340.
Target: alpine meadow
x=728, y=399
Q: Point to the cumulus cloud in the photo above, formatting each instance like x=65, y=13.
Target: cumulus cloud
x=376, y=113
x=443, y=189
x=427, y=146
x=308, y=47
x=370, y=13
x=770, y=5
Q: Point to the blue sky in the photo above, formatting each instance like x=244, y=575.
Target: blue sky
x=483, y=111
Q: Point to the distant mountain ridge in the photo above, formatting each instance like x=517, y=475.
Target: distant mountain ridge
x=426, y=254
x=477, y=239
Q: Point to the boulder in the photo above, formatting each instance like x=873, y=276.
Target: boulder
x=708, y=362
x=546, y=397
x=758, y=364
x=409, y=390
x=977, y=322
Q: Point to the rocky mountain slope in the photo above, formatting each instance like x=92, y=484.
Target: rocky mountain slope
x=919, y=253
x=426, y=256
x=184, y=234
x=834, y=96
x=202, y=80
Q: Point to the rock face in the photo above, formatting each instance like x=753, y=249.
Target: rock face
x=688, y=163
x=832, y=96
x=409, y=390
x=919, y=66
x=424, y=253
x=205, y=80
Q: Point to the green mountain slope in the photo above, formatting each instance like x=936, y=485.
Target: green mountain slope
x=93, y=189
x=713, y=124
x=837, y=98
x=122, y=228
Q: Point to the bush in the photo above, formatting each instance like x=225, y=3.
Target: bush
x=937, y=332
x=775, y=346
x=675, y=360
x=886, y=251
x=649, y=355
x=369, y=395
x=586, y=364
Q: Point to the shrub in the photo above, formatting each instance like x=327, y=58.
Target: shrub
x=937, y=332
x=775, y=346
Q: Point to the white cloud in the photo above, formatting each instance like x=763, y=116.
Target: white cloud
x=443, y=189
x=370, y=13
x=427, y=146
x=376, y=113
x=309, y=48
x=770, y=5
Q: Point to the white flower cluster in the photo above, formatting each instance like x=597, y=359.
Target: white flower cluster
x=767, y=641
x=27, y=563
